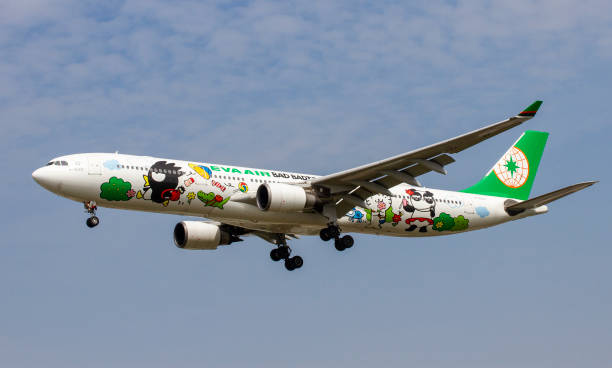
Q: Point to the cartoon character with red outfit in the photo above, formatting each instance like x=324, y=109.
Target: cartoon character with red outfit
x=161, y=183
x=421, y=208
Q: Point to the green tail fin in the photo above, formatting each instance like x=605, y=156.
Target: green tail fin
x=514, y=173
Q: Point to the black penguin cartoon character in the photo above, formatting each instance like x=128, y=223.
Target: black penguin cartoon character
x=162, y=181
x=419, y=205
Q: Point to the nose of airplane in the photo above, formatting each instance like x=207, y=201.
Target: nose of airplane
x=46, y=178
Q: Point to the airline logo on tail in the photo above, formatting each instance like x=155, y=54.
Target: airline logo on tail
x=513, y=168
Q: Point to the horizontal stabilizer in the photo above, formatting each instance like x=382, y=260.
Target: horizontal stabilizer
x=538, y=201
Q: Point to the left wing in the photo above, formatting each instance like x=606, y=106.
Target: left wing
x=351, y=187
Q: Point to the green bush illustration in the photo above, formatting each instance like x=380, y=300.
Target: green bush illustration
x=461, y=223
x=115, y=189
x=443, y=222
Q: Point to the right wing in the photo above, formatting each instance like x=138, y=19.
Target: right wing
x=351, y=187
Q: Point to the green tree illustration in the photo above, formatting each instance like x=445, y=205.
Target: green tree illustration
x=115, y=189
x=443, y=222
x=461, y=223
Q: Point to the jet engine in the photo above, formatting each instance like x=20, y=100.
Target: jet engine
x=284, y=198
x=199, y=235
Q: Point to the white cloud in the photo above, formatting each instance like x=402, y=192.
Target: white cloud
x=176, y=72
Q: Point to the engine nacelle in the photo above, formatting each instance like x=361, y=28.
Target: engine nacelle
x=284, y=198
x=199, y=235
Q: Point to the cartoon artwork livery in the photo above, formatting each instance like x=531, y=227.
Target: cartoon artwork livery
x=243, y=187
x=161, y=184
x=212, y=199
x=421, y=209
x=355, y=215
x=380, y=208
x=419, y=215
x=203, y=171
x=116, y=189
x=447, y=222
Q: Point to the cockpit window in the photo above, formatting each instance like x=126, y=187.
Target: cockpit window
x=64, y=163
x=50, y=163
x=57, y=163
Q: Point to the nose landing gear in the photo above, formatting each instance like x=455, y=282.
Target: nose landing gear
x=283, y=251
x=90, y=208
x=333, y=232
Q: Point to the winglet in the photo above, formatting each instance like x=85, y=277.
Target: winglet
x=531, y=109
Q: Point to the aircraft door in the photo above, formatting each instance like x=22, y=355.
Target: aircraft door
x=468, y=206
x=94, y=166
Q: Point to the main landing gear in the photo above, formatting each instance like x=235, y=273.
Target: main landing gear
x=333, y=232
x=283, y=251
x=90, y=208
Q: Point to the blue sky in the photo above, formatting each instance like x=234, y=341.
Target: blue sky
x=312, y=87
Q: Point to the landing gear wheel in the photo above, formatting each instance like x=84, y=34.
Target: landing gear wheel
x=325, y=235
x=348, y=241
x=329, y=233
x=90, y=208
x=298, y=262
x=289, y=264
x=343, y=243
x=275, y=255
x=93, y=221
x=339, y=244
x=283, y=251
x=293, y=263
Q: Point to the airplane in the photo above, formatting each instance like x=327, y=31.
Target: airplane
x=382, y=197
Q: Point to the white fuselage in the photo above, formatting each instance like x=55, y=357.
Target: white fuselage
x=190, y=188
